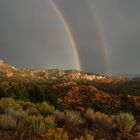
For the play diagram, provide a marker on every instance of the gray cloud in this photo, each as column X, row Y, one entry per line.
column 33, row 35
column 121, row 24
column 30, row 34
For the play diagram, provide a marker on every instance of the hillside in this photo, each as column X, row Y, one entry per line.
column 68, row 90
column 11, row 72
column 67, row 84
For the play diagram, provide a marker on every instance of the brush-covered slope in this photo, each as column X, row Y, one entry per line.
column 10, row 71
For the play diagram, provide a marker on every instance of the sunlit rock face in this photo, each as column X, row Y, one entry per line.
column 10, row 71
column 1, row 62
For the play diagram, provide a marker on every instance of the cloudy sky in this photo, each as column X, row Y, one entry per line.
column 33, row 35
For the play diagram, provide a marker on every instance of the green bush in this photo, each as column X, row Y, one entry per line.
column 26, row 105
column 103, row 121
column 17, row 92
column 87, row 137
column 39, row 123
column 36, row 94
column 8, row 122
column 6, row 103
column 99, row 124
column 54, row 134
column 73, row 119
column 45, row 109
column 124, row 122
column 19, row 115
column 33, row 111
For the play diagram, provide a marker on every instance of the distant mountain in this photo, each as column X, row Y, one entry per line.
column 10, row 71
column 132, row 75
column 129, row 75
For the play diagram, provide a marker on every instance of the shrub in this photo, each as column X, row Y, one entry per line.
column 103, row 126
column 26, row 105
column 100, row 124
column 60, row 118
column 89, row 117
column 124, row 122
column 98, row 106
column 45, row 109
column 55, row 134
column 8, row 122
column 33, row 111
column 17, row 92
column 39, row 123
column 19, row 116
column 73, row 119
column 103, row 121
column 87, row 137
column 36, row 94
column 98, row 120
column 5, row 103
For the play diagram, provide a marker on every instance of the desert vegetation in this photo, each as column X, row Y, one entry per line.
column 37, row 104
column 41, row 121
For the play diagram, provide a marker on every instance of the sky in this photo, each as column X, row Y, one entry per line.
column 33, row 35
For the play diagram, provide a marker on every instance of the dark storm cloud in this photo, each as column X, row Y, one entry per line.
column 121, row 24
column 34, row 27
column 32, row 35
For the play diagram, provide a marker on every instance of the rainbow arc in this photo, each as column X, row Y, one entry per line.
column 69, row 32
column 73, row 41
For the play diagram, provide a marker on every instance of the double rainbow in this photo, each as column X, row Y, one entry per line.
column 73, row 41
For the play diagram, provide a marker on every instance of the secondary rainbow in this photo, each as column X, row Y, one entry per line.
column 69, row 32
column 73, row 41
column 102, row 44
column 101, row 37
